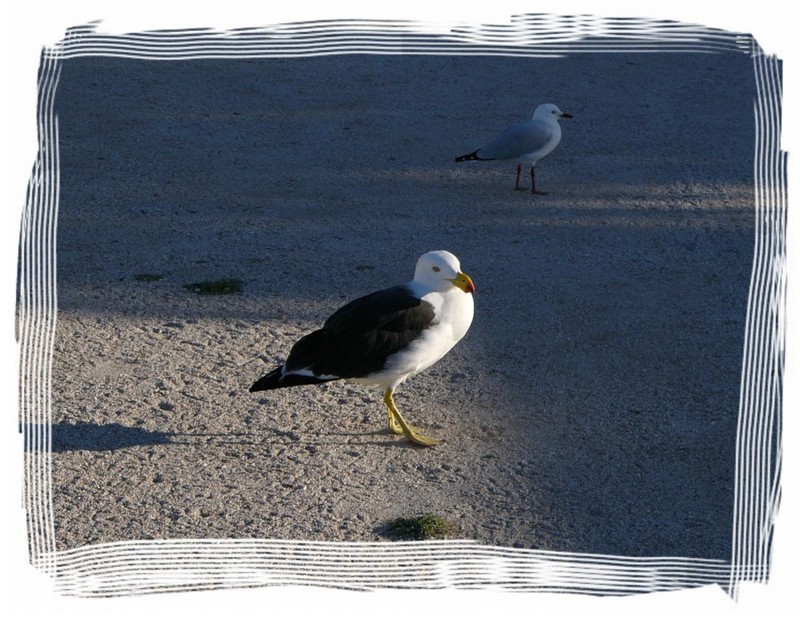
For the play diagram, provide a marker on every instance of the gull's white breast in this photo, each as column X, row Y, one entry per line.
column 454, row 311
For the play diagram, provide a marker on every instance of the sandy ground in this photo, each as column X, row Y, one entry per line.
column 592, row 406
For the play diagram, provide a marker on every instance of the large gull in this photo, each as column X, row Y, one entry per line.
column 386, row 337
column 526, row 142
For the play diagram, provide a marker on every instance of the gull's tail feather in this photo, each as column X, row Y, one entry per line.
column 469, row 156
column 277, row 380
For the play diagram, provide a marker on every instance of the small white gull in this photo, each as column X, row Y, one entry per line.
column 526, row 142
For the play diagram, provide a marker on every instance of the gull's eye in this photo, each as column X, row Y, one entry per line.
column 437, row 269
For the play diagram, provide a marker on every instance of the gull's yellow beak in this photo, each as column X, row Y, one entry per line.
column 464, row 283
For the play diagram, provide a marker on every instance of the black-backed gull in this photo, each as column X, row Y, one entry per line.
column 386, row 337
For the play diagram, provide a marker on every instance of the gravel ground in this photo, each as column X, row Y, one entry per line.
column 592, row 406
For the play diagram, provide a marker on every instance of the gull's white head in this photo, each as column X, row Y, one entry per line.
column 549, row 112
column 441, row 270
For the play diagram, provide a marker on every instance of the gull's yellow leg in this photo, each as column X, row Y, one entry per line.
column 395, row 427
column 395, row 419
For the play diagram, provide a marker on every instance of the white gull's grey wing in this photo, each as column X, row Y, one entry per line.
column 528, row 138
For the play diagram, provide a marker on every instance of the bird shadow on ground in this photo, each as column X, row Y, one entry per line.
column 288, row 438
column 94, row 437
column 107, row 437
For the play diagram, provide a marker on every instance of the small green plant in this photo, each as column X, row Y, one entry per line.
column 216, row 288
column 423, row 527
column 147, row 278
